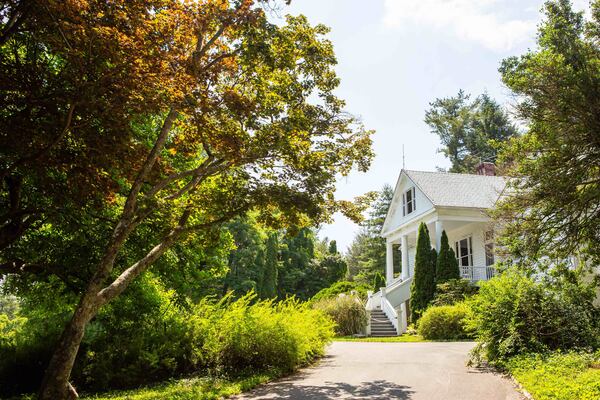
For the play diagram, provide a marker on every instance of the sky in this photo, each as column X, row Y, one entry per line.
column 397, row 56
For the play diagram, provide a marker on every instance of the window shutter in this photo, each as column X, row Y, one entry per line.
column 414, row 199
column 404, row 204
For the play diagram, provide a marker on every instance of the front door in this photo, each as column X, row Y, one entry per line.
column 464, row 253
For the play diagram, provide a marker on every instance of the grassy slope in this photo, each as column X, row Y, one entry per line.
column 558, row 376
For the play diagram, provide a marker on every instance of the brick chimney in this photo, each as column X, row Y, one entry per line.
column 486, row 168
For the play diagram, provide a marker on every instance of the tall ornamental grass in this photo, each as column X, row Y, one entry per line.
column 346, row 311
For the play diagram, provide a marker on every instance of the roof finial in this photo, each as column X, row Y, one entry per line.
column 403, row 158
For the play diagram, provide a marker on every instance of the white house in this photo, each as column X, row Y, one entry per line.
column 456, row 203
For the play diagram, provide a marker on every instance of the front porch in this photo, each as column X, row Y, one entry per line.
column 469, row 235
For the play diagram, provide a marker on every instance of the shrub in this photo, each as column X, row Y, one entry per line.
column 342, row 287
column 241, row 336
column 453, row 291
column 347, row 312
column 144, row 337
column 444, row 323
column 515, row 314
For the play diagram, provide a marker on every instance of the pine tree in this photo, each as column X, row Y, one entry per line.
column 447, row 265
column 367, row 253
column 378, row 281
column 422, row 289
column 268, row 287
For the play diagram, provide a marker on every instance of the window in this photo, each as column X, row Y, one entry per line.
column 409, row 203
column 489, row 248
column 464, row 252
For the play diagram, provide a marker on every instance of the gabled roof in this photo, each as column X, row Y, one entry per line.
column 445, row 189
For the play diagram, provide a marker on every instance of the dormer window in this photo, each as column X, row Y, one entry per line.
column 409, row 203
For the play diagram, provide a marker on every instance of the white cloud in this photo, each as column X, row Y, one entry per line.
column 478, row 21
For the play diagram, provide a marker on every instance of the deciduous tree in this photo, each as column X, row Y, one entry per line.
column 166, row 116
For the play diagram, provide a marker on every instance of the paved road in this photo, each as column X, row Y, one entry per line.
column 415, row 371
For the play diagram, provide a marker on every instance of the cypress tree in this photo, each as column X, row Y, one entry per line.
column 422, row 288
column 447, row 264
column 269, row 282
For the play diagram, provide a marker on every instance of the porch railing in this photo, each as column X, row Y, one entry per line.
column 476, row 274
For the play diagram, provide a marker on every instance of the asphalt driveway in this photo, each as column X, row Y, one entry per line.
column 415, row 371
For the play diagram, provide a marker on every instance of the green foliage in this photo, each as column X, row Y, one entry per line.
column 347, row 311
column 145, row 337
column 378, row 281
column 367, row 253
column 468, row 129
column 445, row 322
column 248, row 336
column 558, row 376
column 342, row 287
column 453, row 291
column 553, row 207
column 422, row 288
column 514, row 314
column 446, row 263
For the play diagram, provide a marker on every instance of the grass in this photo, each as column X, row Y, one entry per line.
column 189, row 389
column 558, row 376
column 390, row 339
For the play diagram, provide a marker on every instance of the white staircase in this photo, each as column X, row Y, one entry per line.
column 381, row 325
column 389, row 302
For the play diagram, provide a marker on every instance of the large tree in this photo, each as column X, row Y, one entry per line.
column 552, row 208
column 165, row 116
column 469, row 129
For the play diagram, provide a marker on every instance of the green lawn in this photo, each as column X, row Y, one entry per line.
column 558, row 376
column 399, row 339
column 189, row 389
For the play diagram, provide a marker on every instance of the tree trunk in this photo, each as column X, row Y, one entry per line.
column 55, row 385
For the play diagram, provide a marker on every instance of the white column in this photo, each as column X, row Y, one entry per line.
column 404, row 249
column 389, row 263
column 439, row 227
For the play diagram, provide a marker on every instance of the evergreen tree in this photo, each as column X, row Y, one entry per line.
column 378, row 281
column 468, row 129
column 553, row 206
column 367, row 253
column 422, row 289
column 333, row 247
column 447, row 265
column 269, row 281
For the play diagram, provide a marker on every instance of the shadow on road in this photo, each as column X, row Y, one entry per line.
column 377, row 390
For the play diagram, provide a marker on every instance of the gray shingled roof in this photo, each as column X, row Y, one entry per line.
column 459, row 190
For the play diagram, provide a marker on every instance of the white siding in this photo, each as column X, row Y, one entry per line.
column 476, row 232
column 396, row 218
